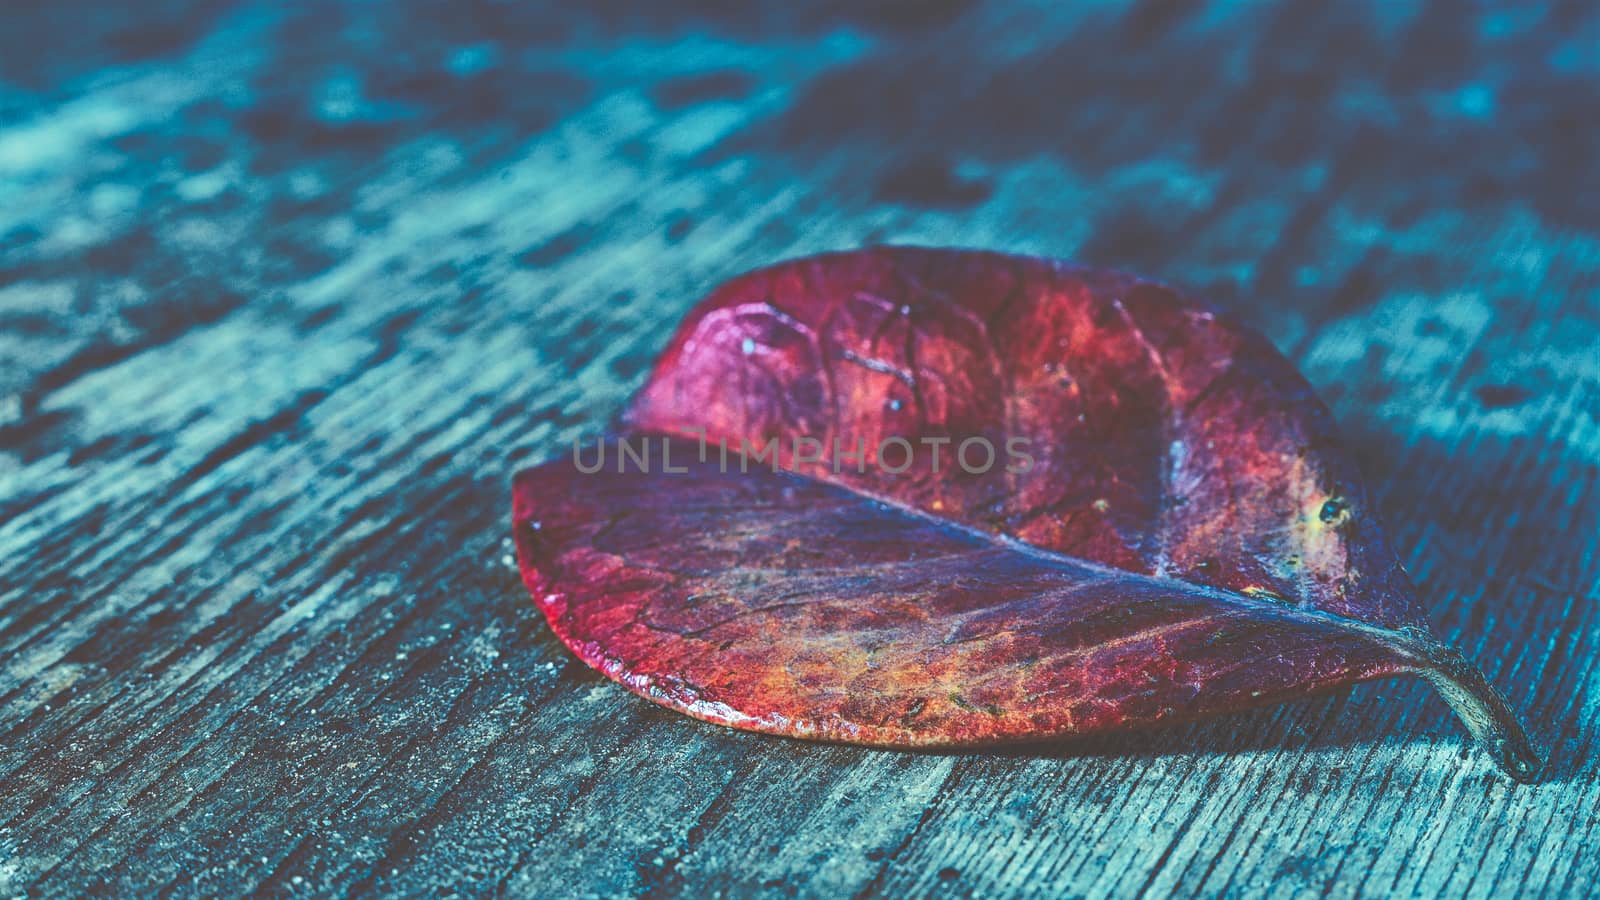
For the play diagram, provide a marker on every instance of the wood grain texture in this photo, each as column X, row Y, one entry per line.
column 286, row 296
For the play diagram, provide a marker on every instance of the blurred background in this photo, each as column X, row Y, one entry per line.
column 1300, row 159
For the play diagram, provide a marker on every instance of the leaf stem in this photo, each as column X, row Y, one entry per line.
column 1483, row 710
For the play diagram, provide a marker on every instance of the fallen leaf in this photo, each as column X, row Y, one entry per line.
column 912, row 497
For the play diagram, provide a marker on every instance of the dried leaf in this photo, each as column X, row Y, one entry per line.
column 1017, row 499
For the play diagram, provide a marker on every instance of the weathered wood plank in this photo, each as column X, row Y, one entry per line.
column 285, row 297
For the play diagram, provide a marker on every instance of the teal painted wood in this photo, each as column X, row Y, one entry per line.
column 287, row 296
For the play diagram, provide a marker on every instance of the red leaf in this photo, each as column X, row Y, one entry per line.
column 1189, row 538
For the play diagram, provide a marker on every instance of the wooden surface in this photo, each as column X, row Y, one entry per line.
column 287, row 295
